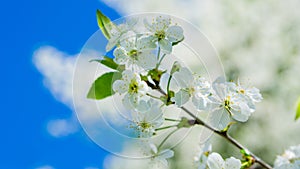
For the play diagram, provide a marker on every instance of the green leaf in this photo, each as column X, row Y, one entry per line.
column 104, row 24
column 102, row 87
column 298, row 110
column 109, row 62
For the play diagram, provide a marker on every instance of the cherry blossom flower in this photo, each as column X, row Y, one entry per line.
column 136, row 51
column 201, row 158
column 215, row 161
column 148, row 119
column 163, row 33
column 226, row 104
column 121, row 32
column 160, row 156
column 192, row 86
column 133, row 87
column 289, row 160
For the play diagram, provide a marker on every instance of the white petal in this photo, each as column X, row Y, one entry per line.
column 183, row 77
column 181, row 97
column 166, row 154
column 242, row 113
column 232, row 163
column 145, row 43
column 128, row 43
column 130, row 101
column 120, row 86
column 153, row 148
column 215, row 161
column 128, row 75
column 147, row 60
column 200, row 103
column 149, row 26
column 219, row 118
column 120, row 56
column 165, row 45
column 143, row 106
column 254, row 94
column 162, row 23
column 220, row 87
column 174, row 33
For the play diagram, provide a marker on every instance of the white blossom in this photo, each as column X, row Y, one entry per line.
column 192, row 86
column 121, row 32
column 289, row 160
column 250, row 95
column 163, row 33
column 136, row 51
column 201, row 158
column 148, row 119
column 134, row 88
column 160, row 157
column 215, row 161
column 225, row 103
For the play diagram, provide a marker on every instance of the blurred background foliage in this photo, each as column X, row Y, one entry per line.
column 258, row 43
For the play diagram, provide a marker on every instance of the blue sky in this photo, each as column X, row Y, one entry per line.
column 27, row 105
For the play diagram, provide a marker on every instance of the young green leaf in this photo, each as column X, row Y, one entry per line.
column 298, row 110
column 104, row 24
column 102, row 87
column 109, row 62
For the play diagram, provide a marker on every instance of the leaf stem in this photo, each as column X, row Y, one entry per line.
column 155, row 97
column 161, row 59
column 168, row 86
column 175, row 120
column 166, row 127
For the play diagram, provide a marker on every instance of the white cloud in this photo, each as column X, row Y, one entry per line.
column 45, row 167
column 62, row 127
column 57, row 68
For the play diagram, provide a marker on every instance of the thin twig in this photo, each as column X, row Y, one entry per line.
column 223, row 134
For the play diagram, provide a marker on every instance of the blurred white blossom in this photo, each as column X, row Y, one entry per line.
column 290, row 159
column 215, row 161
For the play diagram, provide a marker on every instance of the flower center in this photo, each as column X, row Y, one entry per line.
column 160, row 35
column 133, row 87
column 227, row 103
column 144, row 125
column 133, row 54
column 242, row 91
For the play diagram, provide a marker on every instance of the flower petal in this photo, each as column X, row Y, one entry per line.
column 219, row 118
column 174, row 33
column 153, row 148
column 162, row 23
column 145, row 43
column 166, row 153
column 120, row 55
column 232, row 163
column 165, row 45
column 147, row 60
column 181, row 97
column 120, row 86
column 215, row 161
column 183, row 77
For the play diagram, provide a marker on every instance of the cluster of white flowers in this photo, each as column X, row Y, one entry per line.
column 206, row 159
column 289, row 160
column 140, row 54
column 223, row 99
